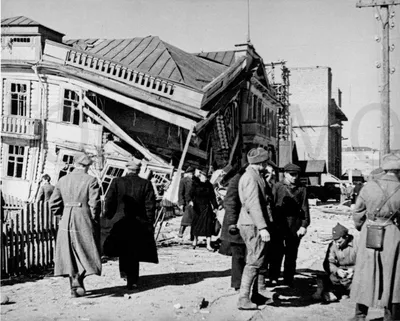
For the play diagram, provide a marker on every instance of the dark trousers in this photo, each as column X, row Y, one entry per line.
column 129, row 269
column 284, row 245
column 238, row 264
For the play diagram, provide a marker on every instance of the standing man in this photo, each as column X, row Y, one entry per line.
column 134, row 196
column 46, row 190
column 253, row 223
column 77, row 198
column 232, row 243
column 291, row 218
column 184, row 200
column 377, row 214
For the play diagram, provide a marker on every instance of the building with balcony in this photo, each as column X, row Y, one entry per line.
column 115, row 98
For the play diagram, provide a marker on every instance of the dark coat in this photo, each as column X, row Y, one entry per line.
column 184, row 198
column 232, row 207
column 134, row 196
column 45, row 192
column 77, row 198
column 291, row 209
column 204, row 200
column 377, row 269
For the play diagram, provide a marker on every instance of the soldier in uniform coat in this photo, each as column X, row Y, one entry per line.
column 184, row 200
column 77, row 198
column 291, row 219
column 134, row 233
column 377, row 274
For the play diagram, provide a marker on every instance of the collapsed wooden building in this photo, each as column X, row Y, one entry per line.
column 121, row 97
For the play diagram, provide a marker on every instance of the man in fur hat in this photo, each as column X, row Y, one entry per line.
column 134, row 233
column 377, row 215
column 76, row 198
column 254, row 220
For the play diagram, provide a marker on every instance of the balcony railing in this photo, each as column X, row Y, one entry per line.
column 17, row 126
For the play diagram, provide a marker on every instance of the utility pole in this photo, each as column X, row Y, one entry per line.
column 384, row 15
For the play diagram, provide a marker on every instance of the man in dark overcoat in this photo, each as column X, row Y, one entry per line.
column 291, row 219
column 45, row 190
column 377, row 274
column 134, row 233
column 184, row 200
column 77, row 198
column 232, row 243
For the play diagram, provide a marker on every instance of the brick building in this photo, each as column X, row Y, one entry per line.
column 316, row 116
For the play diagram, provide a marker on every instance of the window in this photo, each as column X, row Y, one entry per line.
column 254, row 107
column 259, row 110
column 110, row 173
column 68, row 161
column 71, row 112
column 16, row 160
column 19, row 96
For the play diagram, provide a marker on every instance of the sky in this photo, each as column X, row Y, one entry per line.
column 305, row 33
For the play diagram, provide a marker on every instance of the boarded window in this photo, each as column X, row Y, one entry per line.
column 19, row 96
column 71, row 112
column 15, row 162
column 110, row 173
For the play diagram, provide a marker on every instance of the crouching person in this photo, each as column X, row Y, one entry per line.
column 339, row 264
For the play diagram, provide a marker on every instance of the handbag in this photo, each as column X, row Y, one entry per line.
column 217, row 227
column 376, row 231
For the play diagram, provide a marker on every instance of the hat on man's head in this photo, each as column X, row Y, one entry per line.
column 83, row 160
column 257, row 155
column 390, row 161
column 339, row 231
column 134, row 164
column 291, row 168
column 376, row 173
column 190, row 169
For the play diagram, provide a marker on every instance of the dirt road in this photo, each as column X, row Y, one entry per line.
column 174, row 289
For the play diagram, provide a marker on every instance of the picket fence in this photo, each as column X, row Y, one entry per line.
column 28, row 233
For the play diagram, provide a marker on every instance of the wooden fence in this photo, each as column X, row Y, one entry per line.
column 28, row 233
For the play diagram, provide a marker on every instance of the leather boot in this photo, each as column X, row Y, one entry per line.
column 248, row 277
column 361, row 313
column 260, row 295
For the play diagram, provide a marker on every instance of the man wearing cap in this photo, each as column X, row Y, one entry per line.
column 377, row 214
column 339, row 263
column 291, row 218
column 76, row 197
column 184, row 200
column 133, row 196
column 253, row 224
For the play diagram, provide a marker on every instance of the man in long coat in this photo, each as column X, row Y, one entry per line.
column 134, row 233
column 184, row 199
column 77, row 198
column 232, row 243
column 253, row 223
column 377, row 274
column 291, row 218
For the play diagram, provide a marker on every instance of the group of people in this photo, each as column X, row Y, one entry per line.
column 77, row 199
column 263, row 224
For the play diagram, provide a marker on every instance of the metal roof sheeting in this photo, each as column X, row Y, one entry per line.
column 22, row 21
column 153, row 56
column 226, row 58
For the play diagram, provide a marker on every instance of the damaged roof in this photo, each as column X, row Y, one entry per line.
column 155, row 57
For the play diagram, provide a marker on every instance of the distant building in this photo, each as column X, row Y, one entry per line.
column 316, row 117
column 364, row 159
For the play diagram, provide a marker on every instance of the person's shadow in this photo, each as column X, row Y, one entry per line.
column 148, row 282
column 300, row 295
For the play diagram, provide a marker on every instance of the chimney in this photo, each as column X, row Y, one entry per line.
column 339, row 98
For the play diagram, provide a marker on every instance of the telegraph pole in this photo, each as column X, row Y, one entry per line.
column 384, row 6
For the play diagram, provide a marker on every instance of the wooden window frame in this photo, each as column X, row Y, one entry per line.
column 78, row 92
column 6, row 148
column 105, row 176
column 8, row 97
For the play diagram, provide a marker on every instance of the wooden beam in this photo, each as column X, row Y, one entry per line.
column 376, row 3
column 113, row 127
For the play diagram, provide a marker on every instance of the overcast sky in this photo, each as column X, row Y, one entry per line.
column 305, row 33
